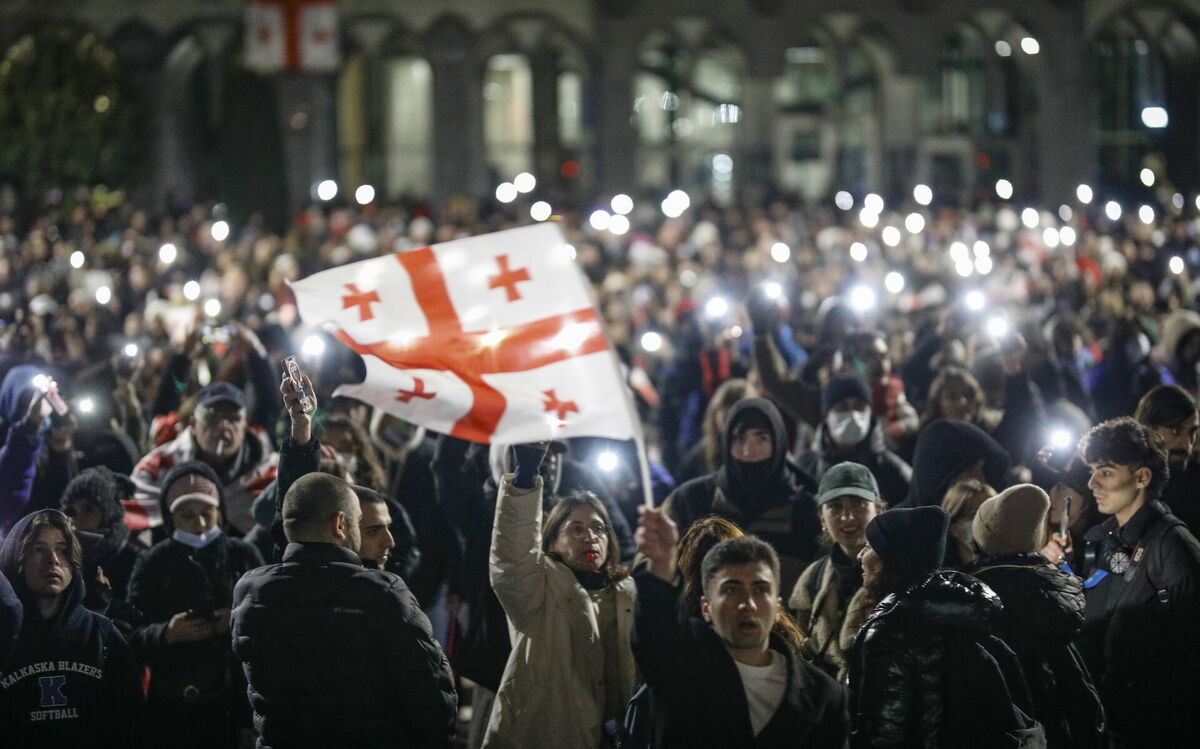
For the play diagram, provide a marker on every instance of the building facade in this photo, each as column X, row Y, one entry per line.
column 450, row 97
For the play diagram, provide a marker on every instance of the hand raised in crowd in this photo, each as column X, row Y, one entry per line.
column 184, row 628
column 301, row 421
column 657, row 537
column 1013, row 351
column 39, row 409
column 1057, row 548
column 61, row 436
column 246, row 338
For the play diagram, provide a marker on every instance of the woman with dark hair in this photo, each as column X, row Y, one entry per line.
column 706, row 455
column 183, row 587
column 569, row 604
column 93, row 502
column 355, row 451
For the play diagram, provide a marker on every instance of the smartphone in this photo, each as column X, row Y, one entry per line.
column 292, row 367
column 126, row 363
column 210, row 334
column 49, row 389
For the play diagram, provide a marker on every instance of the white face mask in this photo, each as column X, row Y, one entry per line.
column 194, row 541
column 848, row 428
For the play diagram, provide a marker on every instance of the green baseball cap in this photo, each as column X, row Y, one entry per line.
column 847, row 478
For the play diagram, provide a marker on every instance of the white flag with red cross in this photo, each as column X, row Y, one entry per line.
column 491, row 338
column 292, row 35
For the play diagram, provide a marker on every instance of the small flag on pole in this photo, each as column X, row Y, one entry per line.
column 292, row 35
column 491, row 338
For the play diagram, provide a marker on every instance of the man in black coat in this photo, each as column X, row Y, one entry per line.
column 851, row 432
column 1170, row 412
column 1042, row 616
column 726, row 681
column 925, row 669
column 71, row 679
column 1141, row 589
column 757, row 488
column 337, row 654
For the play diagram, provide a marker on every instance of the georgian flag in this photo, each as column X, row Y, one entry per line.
column 491, row 338
column 292, row 35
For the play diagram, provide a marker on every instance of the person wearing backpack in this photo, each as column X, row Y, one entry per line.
column 829, row 599
column 1141, row 569
column 1042, row 617
column 925, row 669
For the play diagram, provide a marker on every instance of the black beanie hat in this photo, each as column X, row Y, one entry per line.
column 842, row 387
column 910, row 540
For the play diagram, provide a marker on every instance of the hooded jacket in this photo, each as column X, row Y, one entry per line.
column 172, row 577
column 11, row 616
column 1042, row 618
column 890, row 471
column 71, row 680
column 946, row 448
column 771, row 499
column 926, row 670
column 19, row 454
column 108, row 548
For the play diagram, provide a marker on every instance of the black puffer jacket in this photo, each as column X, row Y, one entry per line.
column 1042, row 617
column 889, row 469
column 925, row 670
column 339, row 655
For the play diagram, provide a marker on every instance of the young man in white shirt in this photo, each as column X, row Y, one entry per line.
column 726, row 680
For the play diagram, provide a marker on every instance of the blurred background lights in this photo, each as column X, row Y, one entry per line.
column 618, row 225
column 914, row 223
column 868, row 218
column 1066, row 236
column 77, row 259
column 893, row 282
column 1146, row 214
column 220, row 231
column 1155, row 118
column 131, row 350
column 622, row 204
column 1003, row 48
column 1083, row 193
column 716, row 307
column 1030, row 46
column 212, row 307
column 997, row 326
column 862, row 298
column 1004, row 189
column 873, row 202
column 981, row 248
column 607, row 461
column 772, row 289
column 313, row 346
column 1060, row 438
column 1147, row 176
column 858, row 252
column 327, row 189
column 958, row 252
column 843, row 200
column 1065, row 213
column 524, row 182
column 364, row 195
column 651, row 341
column 167, row 253
column 1029, row 217
column 983, row 265
column 923, row 194
column 1176, row 265
column 539, row 211
column 1112, row 209
column 86, row 405
column 103, row 295
column 890, row 236
column 964, row 267
column 599, row 220
column 191, row 291
column 506, row 192
column 1050, row 237
column 975, row 300
column 676, row 202
column 780, row 252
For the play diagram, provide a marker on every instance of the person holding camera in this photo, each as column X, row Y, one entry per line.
column 183, row 588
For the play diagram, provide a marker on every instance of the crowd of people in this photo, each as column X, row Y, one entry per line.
column 922, row 477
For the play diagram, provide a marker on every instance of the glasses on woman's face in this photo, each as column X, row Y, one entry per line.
column 580, row 531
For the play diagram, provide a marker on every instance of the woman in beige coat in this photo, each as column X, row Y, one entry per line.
column 569, row 604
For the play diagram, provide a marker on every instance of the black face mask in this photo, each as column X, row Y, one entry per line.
column 755, row 484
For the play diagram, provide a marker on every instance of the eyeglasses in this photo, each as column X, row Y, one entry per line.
column 581, row 531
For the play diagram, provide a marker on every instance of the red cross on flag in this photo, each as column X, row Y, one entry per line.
column 491, row 338
column 292, row 35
